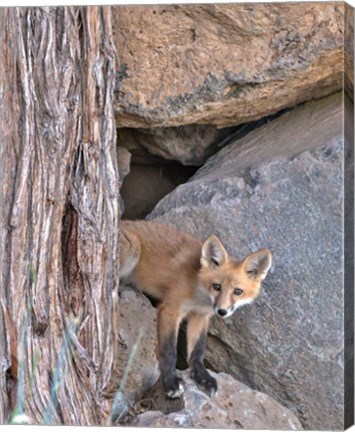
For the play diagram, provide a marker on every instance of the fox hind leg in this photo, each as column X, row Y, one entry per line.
column 196, row 342
column 130, row 251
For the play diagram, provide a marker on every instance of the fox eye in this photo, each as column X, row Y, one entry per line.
column 238, row 291
column 216, row 287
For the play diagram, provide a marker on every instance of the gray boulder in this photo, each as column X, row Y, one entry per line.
column 190, row 145
column 280, row 187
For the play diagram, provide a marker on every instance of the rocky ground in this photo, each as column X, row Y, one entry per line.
column 235, row 406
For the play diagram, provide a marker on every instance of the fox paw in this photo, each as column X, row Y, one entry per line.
column 204, row 381
column 174, row 388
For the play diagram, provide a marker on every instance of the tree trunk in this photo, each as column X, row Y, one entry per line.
column 60, row 214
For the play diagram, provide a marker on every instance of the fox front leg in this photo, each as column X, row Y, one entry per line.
column 196, row 342
column 168, row 327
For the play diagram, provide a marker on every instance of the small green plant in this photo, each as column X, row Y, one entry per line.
column 120, row 404
column 18, row 415
column 65, row 352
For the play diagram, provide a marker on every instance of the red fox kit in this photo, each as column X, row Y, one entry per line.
column 191, row 280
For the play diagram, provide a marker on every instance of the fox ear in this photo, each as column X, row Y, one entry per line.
column 213, row 253
column 258, row 264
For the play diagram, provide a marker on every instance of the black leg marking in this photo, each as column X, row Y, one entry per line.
column 172, row 383
column 198, row 371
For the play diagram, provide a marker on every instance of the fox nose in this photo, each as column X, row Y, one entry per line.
column 222, row 312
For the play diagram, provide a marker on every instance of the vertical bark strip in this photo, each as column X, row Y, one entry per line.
column 60, row 209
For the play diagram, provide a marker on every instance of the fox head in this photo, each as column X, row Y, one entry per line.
column 231, row 284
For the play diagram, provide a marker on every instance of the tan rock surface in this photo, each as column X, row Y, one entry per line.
column 224, row 64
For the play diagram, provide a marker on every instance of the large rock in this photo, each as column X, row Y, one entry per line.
column 189, row 145
column 224, row 64
column 235, row 406
column 280, row 187
column 304, row 128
